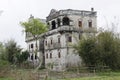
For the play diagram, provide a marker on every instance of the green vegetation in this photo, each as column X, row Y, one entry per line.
column 96, row 51
column 97, row 78
column 34, row 27
column 101, row 50
column 100, row 76
column 22, row 57
column 12, row 49
column 10, row 54
column 6, row 79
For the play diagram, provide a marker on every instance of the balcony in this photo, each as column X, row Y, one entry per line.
column 77, row 29
column 68, row 28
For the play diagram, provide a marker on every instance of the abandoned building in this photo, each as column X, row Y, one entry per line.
column 66, row 27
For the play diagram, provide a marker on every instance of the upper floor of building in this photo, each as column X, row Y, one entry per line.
column 78, row 19
column 69, row 20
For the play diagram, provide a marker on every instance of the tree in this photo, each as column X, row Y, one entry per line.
column 34, row 27
column 3, row 55
column 101, row 50
column 87, row 49
column 2, row 52
column 22, row 57
column 12, row 49
column 1, row 48
column 109, row 45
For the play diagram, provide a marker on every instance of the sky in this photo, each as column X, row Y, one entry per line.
column 12, row 12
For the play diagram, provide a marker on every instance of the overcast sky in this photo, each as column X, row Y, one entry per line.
column 15, row 11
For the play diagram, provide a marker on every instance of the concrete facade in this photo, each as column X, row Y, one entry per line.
column 66, row 27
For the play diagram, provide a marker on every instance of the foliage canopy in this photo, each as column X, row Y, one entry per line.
column 34, row 26
column 101, row 50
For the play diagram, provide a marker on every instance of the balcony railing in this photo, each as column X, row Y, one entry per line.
column 77, row 29
column 65, row 28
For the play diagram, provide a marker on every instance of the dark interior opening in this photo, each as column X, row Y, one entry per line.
column 58, row 22
column 66, row 21
column 32, row 57
column 53, row 25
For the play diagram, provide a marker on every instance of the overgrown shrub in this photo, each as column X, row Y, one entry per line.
column 101, row 50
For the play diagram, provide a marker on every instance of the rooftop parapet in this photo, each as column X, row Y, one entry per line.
column 54, row 13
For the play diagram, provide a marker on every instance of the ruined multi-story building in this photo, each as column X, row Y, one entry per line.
column 66, row 27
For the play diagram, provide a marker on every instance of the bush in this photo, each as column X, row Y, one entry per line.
column 101, row 50
column 4, row 64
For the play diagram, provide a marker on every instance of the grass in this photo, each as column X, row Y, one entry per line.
column 6, row 79
column 97, row 78
column 101, row 76
column 27, row 74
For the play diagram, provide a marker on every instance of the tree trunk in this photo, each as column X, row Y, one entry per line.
column 39, row 58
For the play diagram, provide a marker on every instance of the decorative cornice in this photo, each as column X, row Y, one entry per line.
column 54, row 13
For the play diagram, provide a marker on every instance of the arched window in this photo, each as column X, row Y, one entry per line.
column 47, row 55
column 69, row 38
column 31, row 45
column 58, row 22
column 80, row 23
column 50, row 55
column 32, row 57
column 53, row 25
column 46, row 42
column 90, row 23
column 59, row 55
column 66, row 21
column 35, row 56
column 51, row 41
column 58, row 39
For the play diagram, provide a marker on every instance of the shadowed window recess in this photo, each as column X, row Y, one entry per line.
column 66, row 21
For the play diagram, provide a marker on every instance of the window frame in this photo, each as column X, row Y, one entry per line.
column 59, row 54
column 80, row 23
column 32, row 46
column 59, row 40
column 46, row 42
column 58, row 22
column 31, row 57
column 50, row 55
column 69, row 38
column 53, row 23
column 90, row 23
column 66, row 21
column 46, row 55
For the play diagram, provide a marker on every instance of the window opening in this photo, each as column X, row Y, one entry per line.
column 35, row 56
column 50, row 55
column 59, row 40
column 46, row 43
column 66, row 21
column 53, row 25
column 58, row 22
column 90, row 23
column 47, row 55
column 80, row 23
column 51, row 41
column 32, row 57
column 31, row 45
column 59, row 55
column 69, row 39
